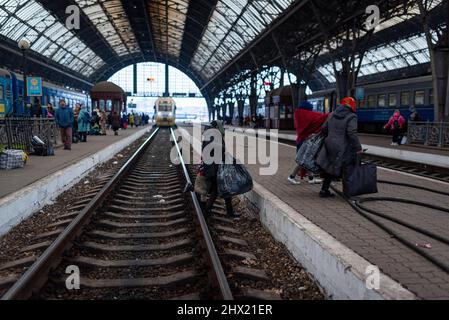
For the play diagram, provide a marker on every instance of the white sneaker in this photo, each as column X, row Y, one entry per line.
column 315, row 181
column 293, row 181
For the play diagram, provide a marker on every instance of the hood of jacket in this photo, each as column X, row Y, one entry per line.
column 342, row 112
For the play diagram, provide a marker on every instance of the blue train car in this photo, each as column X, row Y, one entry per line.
column 11, row 92
column 382, row 99
column 6, row 100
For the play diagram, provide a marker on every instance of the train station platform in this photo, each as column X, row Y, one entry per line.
column 341, row 247
column 380, row 146
column 23, row 191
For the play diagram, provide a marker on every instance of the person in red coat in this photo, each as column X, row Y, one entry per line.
column 307, row 122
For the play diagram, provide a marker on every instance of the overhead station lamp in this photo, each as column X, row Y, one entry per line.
column 24, row 45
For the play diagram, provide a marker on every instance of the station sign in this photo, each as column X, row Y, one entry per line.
column 132, row 106
column 34, row 86
column 360, row 93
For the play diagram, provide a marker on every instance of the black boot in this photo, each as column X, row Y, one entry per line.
column 326, row 194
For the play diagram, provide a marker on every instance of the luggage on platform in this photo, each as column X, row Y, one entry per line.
column 307, row 154
column 41, row 148
column 362, row 179
column 12, row 159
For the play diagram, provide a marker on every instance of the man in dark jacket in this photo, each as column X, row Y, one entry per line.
column 341, row 146
column 64, row 119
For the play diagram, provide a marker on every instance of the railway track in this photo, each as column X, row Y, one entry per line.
column 422, row 170
column 139, row 234
column 418, row 169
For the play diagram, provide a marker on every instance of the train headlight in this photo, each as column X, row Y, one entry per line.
column 170, row 114
column 159, row 114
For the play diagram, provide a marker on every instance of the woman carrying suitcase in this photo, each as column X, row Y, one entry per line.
column 341, row 147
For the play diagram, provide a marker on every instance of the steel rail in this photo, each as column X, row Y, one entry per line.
column 36, row 276
column 217, row 267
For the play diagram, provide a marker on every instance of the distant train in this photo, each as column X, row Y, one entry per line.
column 382, row 99
column 165, row 112
column 11, row 95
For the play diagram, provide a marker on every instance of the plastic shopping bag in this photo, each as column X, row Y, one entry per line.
column 306, row 156
column 233, row 180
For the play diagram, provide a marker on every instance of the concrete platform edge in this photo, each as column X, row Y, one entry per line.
column 340, row 271
column 19, row 205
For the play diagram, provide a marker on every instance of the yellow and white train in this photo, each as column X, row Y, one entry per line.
column 165, row 112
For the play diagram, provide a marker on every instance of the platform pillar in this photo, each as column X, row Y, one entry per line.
column 241, row 107
column 167, row 83
column 135, row 79
column 253, row 98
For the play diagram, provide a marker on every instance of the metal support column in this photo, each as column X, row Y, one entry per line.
column 135, row 79
column 167, row 83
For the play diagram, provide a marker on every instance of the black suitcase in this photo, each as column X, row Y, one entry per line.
column 362, row 179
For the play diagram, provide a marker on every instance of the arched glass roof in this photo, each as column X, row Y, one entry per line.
column 232, row 26
column 28, row 19
column 202, row 37
column 401, row 54
column 110, row 21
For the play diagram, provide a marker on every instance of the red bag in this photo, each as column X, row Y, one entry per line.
column 125, row 126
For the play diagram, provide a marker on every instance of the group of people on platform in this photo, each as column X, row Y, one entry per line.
column 340, row 153
column 77, row 123
column 341, row 146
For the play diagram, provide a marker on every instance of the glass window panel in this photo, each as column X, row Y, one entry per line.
column 392, row 100
column 371, row 101
column 405, row 98
column 420, row 97
column 382, row 100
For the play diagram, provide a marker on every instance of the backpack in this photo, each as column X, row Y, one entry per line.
column 396, row 124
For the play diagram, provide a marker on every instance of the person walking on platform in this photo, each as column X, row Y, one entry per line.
column 396, row 125
column 307, row 122
column 341, row 146
column 50, row 111
column 115, row 123
column 131, row 120
column 75, row 133
column 83, row 123
column 211, row 171
column 65, row 119
column 103, row 122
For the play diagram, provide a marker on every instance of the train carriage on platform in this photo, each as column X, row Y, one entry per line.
column 11, row 95
column 380, row 100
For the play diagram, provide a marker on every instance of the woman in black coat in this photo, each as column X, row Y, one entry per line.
column 341, row 146
column 210, row 170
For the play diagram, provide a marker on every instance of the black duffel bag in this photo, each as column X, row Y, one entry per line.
column 362, row 179
column 233, row 180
